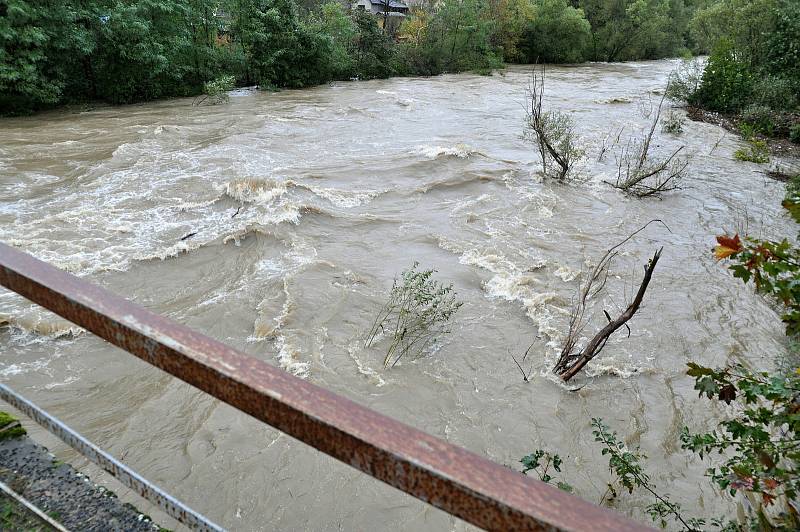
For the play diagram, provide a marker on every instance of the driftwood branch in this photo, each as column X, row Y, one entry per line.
column 571, row 360
column 525, row 376
column 597, row 343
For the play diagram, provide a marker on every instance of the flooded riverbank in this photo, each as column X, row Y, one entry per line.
column 276, row 224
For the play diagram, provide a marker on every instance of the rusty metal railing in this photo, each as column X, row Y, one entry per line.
column 443, row 475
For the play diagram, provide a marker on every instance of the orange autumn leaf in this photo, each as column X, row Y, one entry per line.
column 727, row 246
column 767, row 498
column 770, row 483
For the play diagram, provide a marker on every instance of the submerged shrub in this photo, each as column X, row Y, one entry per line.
column 641, row 174
column 553, row 132
column 419, row 310
column 217, row 89
column 673, row 123
column 755, row 152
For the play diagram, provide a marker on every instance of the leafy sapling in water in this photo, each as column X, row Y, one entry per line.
column 756, row 151
column 216, row 90
column 553, row 132
column 541, row 462
column 625, row 464
column 418, row 312
column 673, row 123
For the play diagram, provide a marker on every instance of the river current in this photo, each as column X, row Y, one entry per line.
column 276, row 223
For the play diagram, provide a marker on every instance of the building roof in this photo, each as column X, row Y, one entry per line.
column 392, row 3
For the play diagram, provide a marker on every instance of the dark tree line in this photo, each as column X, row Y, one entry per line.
column 63, row 51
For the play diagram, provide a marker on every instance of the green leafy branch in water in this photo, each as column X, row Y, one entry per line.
column 540, row 461
column 418, row 312
column 761, row 444
column 626, row 467
column 625, row 464
column 216, row 90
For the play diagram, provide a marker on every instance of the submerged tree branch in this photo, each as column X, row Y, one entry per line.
column 571, row 362
column 597, row 343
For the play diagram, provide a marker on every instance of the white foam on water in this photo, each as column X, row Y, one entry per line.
column 566, row 274
column 364, row 369
column 462, row 151
column 512, row 283
column 288, row 356
column 34, row 325
column 345, row 199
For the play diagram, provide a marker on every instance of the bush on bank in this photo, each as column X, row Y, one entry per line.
column 754, row 68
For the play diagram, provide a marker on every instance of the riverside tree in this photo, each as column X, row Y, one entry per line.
column 67, row 51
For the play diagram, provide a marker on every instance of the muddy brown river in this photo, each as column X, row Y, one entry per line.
column 302, row 207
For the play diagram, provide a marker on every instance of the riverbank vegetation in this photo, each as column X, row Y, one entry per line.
column 73, row 51
column 753, row 72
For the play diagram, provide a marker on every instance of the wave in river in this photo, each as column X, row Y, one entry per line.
column 461, row 151
column 43, row 327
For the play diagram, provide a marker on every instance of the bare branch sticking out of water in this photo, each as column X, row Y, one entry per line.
column 640, row 175
column 716, row 144
column 572, row 360
column 418, row 312
column 604, row 146
column 525, row 376
column 553, row 132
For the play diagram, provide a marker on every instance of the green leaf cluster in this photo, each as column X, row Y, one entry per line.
column 541, row 462
column 417, row 314
column 760, row 445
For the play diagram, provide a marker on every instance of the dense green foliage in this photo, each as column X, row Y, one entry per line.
column 557, row 33
column 120, row 51
column 754, row 67
column 56, row 52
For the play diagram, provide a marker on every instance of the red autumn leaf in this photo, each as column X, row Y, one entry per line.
column 727, row 246
column 727, row 393
column 770, row 483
